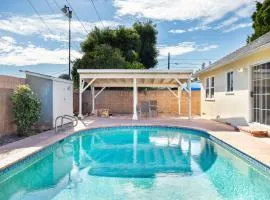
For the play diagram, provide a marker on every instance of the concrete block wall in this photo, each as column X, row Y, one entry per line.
column 121, row 101
column 7, row 86
column 10, row 82
column 7, row 125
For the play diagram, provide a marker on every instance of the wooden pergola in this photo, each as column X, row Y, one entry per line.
column 102, row 78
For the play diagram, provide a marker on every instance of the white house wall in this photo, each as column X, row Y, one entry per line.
column 232, row 107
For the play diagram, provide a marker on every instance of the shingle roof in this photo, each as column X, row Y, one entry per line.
column 242, row 52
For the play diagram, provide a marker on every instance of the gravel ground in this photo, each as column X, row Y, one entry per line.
column 10, row 138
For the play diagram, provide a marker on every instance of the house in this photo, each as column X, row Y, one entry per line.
column 236, row 88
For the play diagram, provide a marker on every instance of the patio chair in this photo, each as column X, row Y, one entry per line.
column 153, row 110
column 144, row 110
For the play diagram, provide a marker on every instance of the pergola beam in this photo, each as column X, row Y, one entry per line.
column 172, row 92
column 188, row 90
column 138, row 76
column 94, row 96
column 99, row 92
column 178, row 96
column 89, row 84
column 138, row 85
column 181, row 85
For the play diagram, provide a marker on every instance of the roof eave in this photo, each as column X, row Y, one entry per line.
column 47, row 77
column 243, row 55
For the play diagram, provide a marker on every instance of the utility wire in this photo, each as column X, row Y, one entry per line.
column 97, row 13
column 75, row 14
column 182, row 63
column 57, row 5
column 53, row 12
column 49, row 5
column 186, row 63
column 41, row 19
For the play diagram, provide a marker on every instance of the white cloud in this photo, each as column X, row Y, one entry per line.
column 13, row 53
column 238, row 26
column 196, row 28
column 58, row 25
column 247, row 10
column 177, row 31
column 227, row 22
column 206, row 10
column 199, row 28
column 8, row 39
column 178, row 49
column 182, row 48
column 207, row 47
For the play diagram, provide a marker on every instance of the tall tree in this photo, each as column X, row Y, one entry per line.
column 148, row 39
column 261, row 20
column 101, row 57
column 120, row 48
column 127, row 40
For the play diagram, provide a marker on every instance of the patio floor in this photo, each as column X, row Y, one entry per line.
column 258, row 148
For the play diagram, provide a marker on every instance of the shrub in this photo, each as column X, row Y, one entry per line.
column 64, row 76
column 26, row 109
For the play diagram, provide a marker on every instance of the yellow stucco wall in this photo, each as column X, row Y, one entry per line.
column 232, row 107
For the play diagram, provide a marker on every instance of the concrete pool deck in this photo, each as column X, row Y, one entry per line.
column 258, row 148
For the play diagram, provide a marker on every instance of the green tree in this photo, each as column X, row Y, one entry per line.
column 120, row 48
column 126, row 40
column 261, row 20
column 148, row 40
column 101, row 57
column 135, row 65
column 26, row 109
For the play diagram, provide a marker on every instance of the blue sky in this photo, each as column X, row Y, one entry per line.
column 189, row 29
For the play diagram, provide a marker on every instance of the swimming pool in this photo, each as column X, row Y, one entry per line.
column 135, row 163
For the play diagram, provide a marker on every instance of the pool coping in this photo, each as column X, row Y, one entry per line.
column 47, row 147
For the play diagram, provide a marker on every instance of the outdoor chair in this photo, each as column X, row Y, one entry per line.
column 144, row 109
column 153, row 110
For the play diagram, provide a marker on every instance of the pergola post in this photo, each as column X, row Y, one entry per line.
column 189, row 99
column 93, row 99
column 135, row 99
column 179, row 100
column 80, row 98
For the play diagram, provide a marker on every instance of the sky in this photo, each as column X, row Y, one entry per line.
column 34, row 33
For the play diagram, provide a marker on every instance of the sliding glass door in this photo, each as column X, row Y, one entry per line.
column 261, row 93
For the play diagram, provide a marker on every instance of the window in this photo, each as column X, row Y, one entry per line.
column 210, row 88
column 230, row 82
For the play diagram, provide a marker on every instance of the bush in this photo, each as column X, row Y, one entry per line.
column 26, row 109
column 64, row 76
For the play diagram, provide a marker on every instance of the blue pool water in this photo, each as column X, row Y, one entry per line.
column 136, row 163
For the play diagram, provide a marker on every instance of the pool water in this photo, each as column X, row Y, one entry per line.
column 137, row 163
